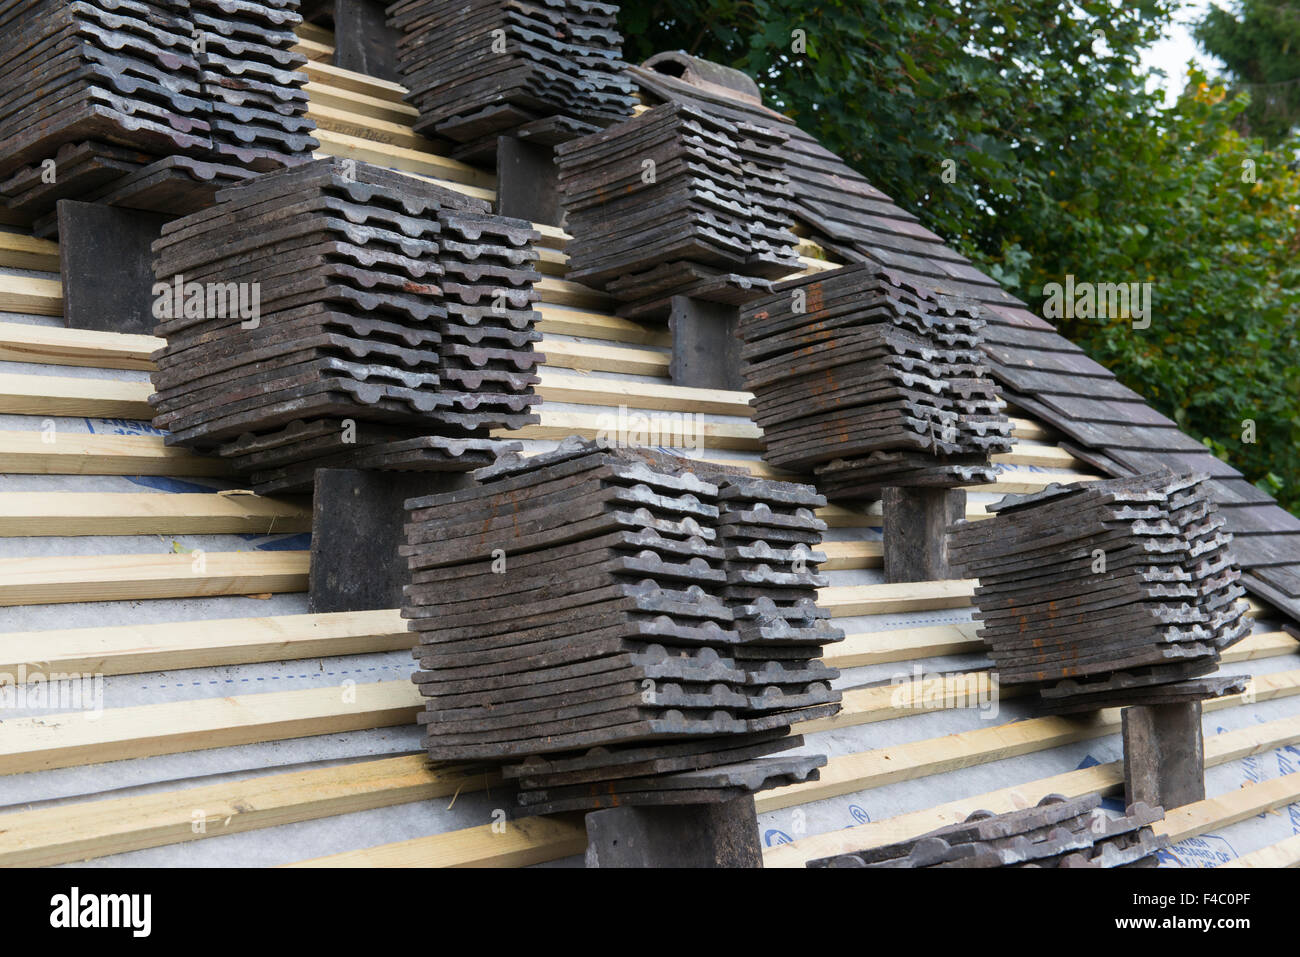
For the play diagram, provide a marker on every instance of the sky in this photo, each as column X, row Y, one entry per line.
column 1172, row 53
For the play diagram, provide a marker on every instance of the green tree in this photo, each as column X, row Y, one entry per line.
column 1068, row 162
column 1259, row 42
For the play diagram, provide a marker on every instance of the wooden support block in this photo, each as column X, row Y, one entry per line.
column 690, row 835
column 706, row 347
column 148, row 513
column 1164, row 755
column 78, row 578
column 358, row 525
column 916, row 522
column 107, row 266
column 364, row 42
column 528, row 181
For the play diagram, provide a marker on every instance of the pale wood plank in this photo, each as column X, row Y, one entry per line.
column 59, row 453
column 18, row 251
column 55, row 345
column 1285, row 853
column 77, row 578
column 402, row 158
column 25, row 294
column 67, row 396
column 349, row 101
column 148, row 513
column 91, row 829
column 510, row 844
column 68, row 739
column 846, row 601
column 562, row 321
column 172, row 645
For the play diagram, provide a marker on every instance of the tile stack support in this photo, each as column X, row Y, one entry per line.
column 1164, row 754
column 363, row 40
column 106, row 265
column 915, row 532
column 528, row 182
column 357, row 526
column 706, row 349
column 690, row 835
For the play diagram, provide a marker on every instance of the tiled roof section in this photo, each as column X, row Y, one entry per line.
column 1108, row 425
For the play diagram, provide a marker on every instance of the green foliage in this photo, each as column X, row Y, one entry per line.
column 1259, row 42
column 1065, row 163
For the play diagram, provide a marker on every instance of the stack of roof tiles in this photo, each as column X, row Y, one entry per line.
column 871, row 382
column 677, row 202
column 544, row 71
column 1056, row 833
column 394, row 329
column 251, row 81
column 582, row 616
column 1120, row 592
column 151, row 104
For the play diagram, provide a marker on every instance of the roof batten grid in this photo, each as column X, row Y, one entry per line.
column 635, row 332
